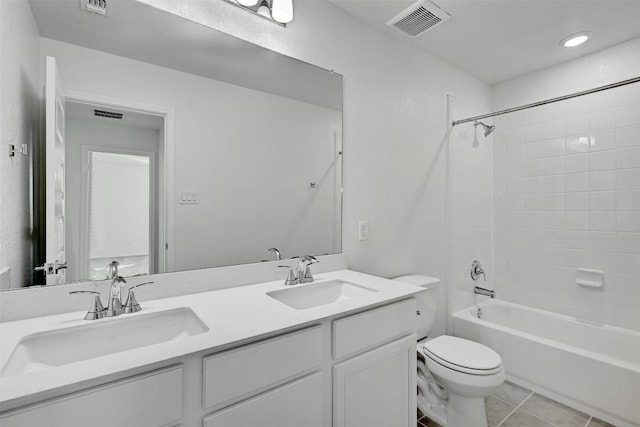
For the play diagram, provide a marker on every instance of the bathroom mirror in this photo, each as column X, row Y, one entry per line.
column 238, row 148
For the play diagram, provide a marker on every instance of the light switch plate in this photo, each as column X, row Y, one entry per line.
column 189, row 197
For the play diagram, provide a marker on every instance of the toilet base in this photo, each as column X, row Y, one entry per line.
column 458, row 411
column 466, row 411
column 434, row 412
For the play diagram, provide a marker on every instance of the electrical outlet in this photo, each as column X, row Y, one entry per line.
column 363, row 230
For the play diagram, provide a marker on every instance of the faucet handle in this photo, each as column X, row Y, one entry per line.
column 291, row 276
column 310, row 259
column 304, row 270
column 132, row 305
column 477, row 270
column 96, row 309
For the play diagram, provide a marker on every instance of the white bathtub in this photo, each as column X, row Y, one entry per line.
column 593, row 368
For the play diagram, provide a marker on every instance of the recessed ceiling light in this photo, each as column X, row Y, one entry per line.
column 575, row 39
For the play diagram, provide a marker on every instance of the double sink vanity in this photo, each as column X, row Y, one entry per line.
column 339, row 351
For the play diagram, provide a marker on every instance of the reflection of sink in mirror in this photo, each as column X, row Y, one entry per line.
column 317, row 294
column 58, row 347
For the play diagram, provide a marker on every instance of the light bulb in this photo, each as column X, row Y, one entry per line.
column 575, row 39
column 282, row 10
column 248, row 3
column 264, row 11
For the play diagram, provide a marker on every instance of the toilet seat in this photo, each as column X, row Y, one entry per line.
column 462, row 355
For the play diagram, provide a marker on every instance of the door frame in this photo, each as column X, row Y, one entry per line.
column 166, row 174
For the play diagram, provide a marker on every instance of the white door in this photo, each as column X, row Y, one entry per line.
column 54, row 203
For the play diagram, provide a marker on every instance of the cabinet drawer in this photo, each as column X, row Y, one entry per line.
column 366, row 330
column 296, row 404
column 152, row 399
column 241, row 372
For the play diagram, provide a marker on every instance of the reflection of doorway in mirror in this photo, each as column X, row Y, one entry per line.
column 114, row 194
column 119, row 213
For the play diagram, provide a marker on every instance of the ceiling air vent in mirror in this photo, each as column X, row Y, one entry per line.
column 96, row 6
column 107, row 114
column 418, row 18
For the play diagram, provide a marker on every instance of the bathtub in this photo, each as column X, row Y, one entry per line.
column 593, row 368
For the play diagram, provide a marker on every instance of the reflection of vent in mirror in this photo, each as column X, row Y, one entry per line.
column 96, row 6
column 418, row 18
column 108, row 114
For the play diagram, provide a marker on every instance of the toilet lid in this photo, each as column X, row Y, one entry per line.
column 463, row 355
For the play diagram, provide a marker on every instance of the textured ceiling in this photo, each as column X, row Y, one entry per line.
column 497, row 40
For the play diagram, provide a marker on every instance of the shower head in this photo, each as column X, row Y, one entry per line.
column 487, row 129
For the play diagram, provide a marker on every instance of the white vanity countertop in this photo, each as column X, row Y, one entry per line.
column 233, row 316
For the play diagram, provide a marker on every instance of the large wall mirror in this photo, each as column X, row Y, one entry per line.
column 171, row 146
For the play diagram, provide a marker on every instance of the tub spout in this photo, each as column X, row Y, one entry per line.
column 482, row 291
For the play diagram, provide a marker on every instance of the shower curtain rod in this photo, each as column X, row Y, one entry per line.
column 548, row 101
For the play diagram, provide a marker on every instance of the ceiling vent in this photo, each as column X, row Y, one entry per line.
column 107, row 114
column 418, row 18
column 96, row 6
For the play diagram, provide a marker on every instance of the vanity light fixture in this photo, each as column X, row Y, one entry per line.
column 575, row 39
column 278, row 11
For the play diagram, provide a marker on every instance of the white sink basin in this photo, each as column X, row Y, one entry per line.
column 99, row 338
column 317, row 294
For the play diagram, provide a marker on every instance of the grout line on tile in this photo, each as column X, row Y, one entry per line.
column 514, row 409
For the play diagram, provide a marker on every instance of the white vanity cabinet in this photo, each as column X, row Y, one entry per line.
column 149, row 400
column 347, row 371
column 377, row 386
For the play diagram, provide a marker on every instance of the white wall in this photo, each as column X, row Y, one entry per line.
column 20, row 95
column 567, row 189
column 394, row 127
column 110, row 136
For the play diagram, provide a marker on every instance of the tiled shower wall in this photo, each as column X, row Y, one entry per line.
column 469, row 205
column 566, row 184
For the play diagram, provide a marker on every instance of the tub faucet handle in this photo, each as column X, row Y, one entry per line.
column 477, row 270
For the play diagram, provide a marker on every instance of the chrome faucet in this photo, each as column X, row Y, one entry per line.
column 114, row 304
column 483, row 291
column 476, row 272
column 304, row 270
column 275, row 252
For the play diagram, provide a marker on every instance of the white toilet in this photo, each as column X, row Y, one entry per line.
column 454, row 374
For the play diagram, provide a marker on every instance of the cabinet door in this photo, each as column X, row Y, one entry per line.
column 295, row 404
column 377, row 388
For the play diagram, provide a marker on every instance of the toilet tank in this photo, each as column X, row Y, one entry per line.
column 426, row 301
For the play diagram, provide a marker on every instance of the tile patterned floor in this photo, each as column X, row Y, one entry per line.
column 515, row 406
